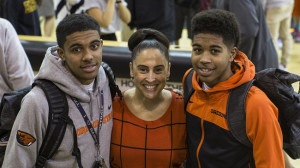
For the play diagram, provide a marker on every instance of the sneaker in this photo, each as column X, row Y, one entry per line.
column 282, row 67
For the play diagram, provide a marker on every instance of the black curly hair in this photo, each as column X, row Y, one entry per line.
column 148, row 38
column 219, row 22
column 74, row 23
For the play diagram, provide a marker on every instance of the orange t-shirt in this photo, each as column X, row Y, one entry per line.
column 153, row 144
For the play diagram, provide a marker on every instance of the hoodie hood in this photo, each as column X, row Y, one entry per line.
column 244, row 71
column 53, row 69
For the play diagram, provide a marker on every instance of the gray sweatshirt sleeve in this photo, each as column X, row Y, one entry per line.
column 27, row 132
column 18, row 68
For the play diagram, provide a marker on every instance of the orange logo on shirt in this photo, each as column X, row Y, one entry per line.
column 95, row 124
column 24, row 138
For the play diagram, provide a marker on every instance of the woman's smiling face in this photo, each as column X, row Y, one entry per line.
column 150, row 70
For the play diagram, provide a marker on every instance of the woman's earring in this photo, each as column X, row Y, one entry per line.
column 167, row 78
column 131, row 78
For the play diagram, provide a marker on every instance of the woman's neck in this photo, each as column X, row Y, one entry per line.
column 147, row 109
column 148, row 104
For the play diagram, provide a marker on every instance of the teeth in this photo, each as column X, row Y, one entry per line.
column 149, row 87
column 205, row 70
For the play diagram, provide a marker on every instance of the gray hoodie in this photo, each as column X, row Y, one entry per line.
column 33, row 119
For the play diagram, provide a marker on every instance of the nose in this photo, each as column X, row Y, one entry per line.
column 87, row 55
column 205, row 57
column 151, row 76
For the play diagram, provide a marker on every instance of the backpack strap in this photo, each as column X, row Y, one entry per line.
column 58, row 112
column 236, row 114
column 114, row 88
column 188, row 87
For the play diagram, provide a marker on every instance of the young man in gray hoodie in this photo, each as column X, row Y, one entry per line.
column 74, row 66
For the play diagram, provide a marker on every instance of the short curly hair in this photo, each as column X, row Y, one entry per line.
column 148, row 38
column 75, row 23
column 219, row 22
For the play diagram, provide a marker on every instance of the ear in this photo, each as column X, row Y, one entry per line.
column 131, row 69
column 233, row 53
column 61, row 54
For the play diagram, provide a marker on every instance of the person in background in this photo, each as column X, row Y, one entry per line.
column 155, row 14
column 149, row 122
column 74, row 66
column 64, row 8
column 219, row 66
column 109, row 14
column 204, row 5
column 46, row 10
column 15, row 69
column 23, row 15
column 256, row 41
column 296, row 18
column 279, row 17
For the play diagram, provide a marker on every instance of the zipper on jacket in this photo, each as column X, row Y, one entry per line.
column 200, row 144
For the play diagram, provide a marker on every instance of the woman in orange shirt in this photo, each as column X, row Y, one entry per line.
column 149, row 122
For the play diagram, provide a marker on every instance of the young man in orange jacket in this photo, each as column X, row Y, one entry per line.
column 219, row 67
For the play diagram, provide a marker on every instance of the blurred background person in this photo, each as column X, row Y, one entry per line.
column 23, row 15
column 109, row 14
column 279, row 16
column 15, row 68
column 204, row 5
column 46, row 11
column 155, row 14
column 64, row 8
column 296, row 19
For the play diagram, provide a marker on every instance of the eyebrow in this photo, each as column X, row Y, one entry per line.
column 196, row 45
column 75, row 44
column 212, row 46
column 215, row 46
column 96, row 41
column 157, row 66
column 78, row 44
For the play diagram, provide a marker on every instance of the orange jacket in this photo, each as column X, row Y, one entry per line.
column 210, row 142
